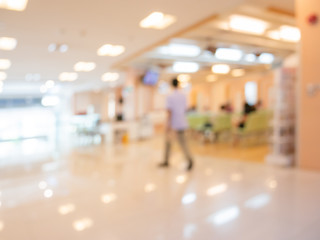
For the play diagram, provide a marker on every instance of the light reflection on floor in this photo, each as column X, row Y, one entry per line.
column 116, row 192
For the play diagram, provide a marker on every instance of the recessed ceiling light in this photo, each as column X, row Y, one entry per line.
column 33, row 77
column 43, row 89
column 211, row 78
column 184, row 78
column 185, row 67
column 49, row 84
column 228, row 54
column 274, row 34
column 247, row 24
column 184, row 50
column 250, row 57
column 3, row 76
column 238, row 72
column 63, row 48
column 157, row 20
column 266, row 58
column 291, row 34
column 111, row 50
column 220, row 69
column 52, row 47
column 7, row 43
column 5, row 64
column 110, row 77
column 84, row 66
column 16, row 5
column 68, row 76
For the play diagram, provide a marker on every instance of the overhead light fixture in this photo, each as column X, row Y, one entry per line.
column 84, row 66
column 250, row 58
column 247, row 24
column 43, row 89
column 7, row 43
column 110, row 77
column 16, row 5
column 266, row 58
column 68, row 76
column 184, row 78
column 183, row 50
column 238, row 72
column 291, row 34
column 82, row 224
column 211, row 78
column 52, row 47
column 49, row 84
column 3, row 76
column 63, row 48
column 111, row 50
column 275, row 35
column 228, row 54
column 5, row 64
column 157, row 20
column 185, row 67
column 33, row 77
column 220, row 69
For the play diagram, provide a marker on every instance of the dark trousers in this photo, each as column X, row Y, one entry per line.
column 180, row 135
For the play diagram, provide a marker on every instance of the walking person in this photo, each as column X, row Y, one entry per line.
column 177, row 124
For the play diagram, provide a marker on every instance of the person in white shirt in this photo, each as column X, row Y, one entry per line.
column 177, row 124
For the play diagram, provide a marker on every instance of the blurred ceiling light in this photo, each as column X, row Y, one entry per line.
column 291, row 34
column 108, row 198
column 157, row 20
column 185, row 67
column 5, row 63
column 111, row 50
column 66, row 209
column 184, row 50
column 217, row 189
column 247, row 24
column 43, row 89
column 16, row 5
column 266, row 58
column 49, row 84
column 7, row 43
column 48, row 193
column 82, row 224
column 50, row 101
column 63, row 48
column 42, row 185
column 189, row 198
column 68, row 76
column 238, row 72
column 275, row 35
column 110, row 77
column 228, row 54
column 52, row 47
column 250, row 58
column 84, row 66
column 211, row 78
column 184, row 77
column 3, row 76
column 220, row 69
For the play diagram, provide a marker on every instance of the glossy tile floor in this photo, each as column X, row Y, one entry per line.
column 117, row 193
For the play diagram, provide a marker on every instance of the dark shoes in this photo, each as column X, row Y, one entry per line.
column 163, row 165
column 190, row 165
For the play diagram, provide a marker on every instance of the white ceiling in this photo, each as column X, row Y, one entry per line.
column 87, row 25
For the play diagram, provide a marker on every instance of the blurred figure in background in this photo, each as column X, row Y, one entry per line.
column 120, row 109
column 177, row 124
